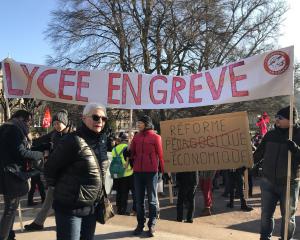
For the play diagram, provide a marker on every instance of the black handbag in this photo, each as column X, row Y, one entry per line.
column 104, row 209
column 18, row 173
column 13, row 183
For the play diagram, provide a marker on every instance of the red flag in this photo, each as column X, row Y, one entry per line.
column 262, row 123
column 47, row 118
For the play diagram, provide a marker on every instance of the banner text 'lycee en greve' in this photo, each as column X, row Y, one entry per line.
column 265, row 75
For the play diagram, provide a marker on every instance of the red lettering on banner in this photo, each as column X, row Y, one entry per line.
column 40, row 82
column 81, row 84
column 136, row 96
column 11, row 91
column 63, row 83
column 216, row 93
column 112, row 87
column 164, row 92
column 194, row 88
column 29, row 77
column 234, row 79
column 176, row 89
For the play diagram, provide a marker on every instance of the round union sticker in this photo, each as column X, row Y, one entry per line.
column 276, row 62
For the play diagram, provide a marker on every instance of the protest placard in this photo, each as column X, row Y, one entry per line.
column 207, row 143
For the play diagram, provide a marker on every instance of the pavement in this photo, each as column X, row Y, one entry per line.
column 224, row 224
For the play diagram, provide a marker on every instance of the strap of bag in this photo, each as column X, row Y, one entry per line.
column 119, row 154
column 104, row 191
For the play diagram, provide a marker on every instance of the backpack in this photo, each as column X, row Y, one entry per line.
column 116, row 167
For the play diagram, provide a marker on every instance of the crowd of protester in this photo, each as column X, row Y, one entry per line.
column 68, row 166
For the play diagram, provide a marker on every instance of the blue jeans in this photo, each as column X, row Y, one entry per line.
column 148, row 182
column 69, row 227
column 10, row 207
column 270, row 195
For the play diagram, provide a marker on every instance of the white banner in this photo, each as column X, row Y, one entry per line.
column 261, row 76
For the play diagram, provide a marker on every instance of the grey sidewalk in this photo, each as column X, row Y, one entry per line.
column 224, row 224
column 166, row 230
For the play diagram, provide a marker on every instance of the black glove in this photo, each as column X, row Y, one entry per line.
column 292, row 146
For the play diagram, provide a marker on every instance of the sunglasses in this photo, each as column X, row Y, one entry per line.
column 279, row 117
column 96, row 118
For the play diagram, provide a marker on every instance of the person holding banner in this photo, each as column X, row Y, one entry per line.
column 273, row 153
column 77, row 168
column 147, row 157
column 15, row 156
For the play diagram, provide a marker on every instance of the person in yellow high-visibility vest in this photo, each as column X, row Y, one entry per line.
column 123, row 184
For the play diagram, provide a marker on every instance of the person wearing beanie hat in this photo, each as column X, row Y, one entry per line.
column 147, row 157
column 61, row 126
column 285, row 113
column 273, row 153
column 147, row 121
column 59, row 122
column 61, row 116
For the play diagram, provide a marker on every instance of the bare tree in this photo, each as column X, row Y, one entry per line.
column 164, row 37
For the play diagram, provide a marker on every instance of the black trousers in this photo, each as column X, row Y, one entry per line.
column 236, row 179
column 250, row 182
column 122, row 187
column 7, row 221
column 186, row 196
column 36, row 181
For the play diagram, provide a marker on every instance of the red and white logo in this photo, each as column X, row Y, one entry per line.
column 277, row 62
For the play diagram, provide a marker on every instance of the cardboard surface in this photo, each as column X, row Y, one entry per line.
column 207, row 143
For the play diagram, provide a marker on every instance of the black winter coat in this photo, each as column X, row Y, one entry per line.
column 74, row 170
column 274, row 152
column 48, row 141
column 15, row 154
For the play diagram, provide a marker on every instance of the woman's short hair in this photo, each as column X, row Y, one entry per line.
column 91, row 107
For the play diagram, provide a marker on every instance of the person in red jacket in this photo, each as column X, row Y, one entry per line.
column 147, row 157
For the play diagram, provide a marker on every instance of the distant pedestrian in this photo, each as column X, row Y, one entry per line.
column 123, row 184
column 187, row 185
column 205, row 182
column 236, row 181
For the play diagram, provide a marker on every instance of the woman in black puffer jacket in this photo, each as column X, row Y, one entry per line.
column 76, row 168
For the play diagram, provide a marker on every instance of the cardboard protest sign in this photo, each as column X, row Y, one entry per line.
column 207, row 143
